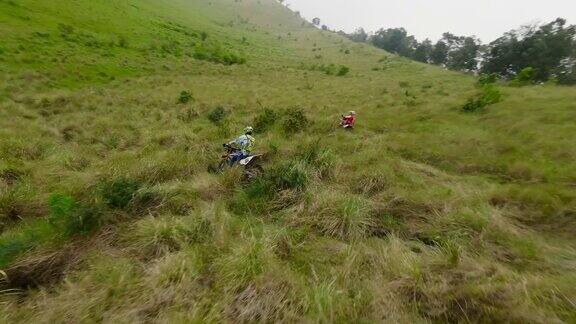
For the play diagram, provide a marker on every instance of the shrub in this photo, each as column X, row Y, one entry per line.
column 120, row 192
column 328, row 69
column 185, row 96
column 83, row 220
column 487, row 78
column 265, row 120
column 17, row 203
column 60, row 207
column 343, row 70
column 238, row 268
column 217, row 55
column 280, row 187
column 490, row 95
column 72, row 218
column 291, row 175
column 322, row 160
column 65, row 30
column 524, row 77
column 157, row 235
column 344, row 217
column 187, row 115
column 123, row 42
column 294, row 121
column 217, row 115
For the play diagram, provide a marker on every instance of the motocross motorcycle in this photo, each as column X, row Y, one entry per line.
column 251, row 164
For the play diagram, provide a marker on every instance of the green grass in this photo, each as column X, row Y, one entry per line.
column 423, row 213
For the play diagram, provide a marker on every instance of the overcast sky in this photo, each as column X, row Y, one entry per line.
column 486, row 19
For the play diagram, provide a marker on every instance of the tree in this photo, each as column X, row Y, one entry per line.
column 423, row 52
column 464, row 56
column 457, row 52
column 395, row 40
column 548, row 49
column 316, row 21
column 439, row 55
column 359, row 36
column 324, row 27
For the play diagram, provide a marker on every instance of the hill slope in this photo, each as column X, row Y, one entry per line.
column 108, row 210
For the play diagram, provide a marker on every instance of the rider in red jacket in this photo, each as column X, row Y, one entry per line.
column 348, row 120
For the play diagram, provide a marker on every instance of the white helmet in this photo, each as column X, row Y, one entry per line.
column 248, row 129
column 352, row 112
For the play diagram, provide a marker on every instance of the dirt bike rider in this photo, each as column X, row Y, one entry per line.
column 349, row 120
column 242, row 145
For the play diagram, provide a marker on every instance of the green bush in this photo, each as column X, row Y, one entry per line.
column 320, row 159
column 60, row 207
column 265, row 120
column 291, row 175
column 216, row 54
column 185, row 96
column 123, row 42
column 343, row 70
column 524, row 77
column 329, row 69
column 65, row 30
column 83, row 220
column 217, row 115
column 187, row 114
column 490, row 95
column 294, row 121
column 120, row 192
column 489, row 78
column 281, row 186
column 72, row 218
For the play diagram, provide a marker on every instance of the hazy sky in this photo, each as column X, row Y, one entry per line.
column 487, row 19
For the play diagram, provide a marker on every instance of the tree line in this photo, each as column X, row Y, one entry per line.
column 538, row 52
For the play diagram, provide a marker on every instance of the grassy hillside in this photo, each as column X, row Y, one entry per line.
column 108, row 211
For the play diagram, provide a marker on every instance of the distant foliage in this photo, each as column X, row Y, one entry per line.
column 185, row 97
column 489, row 95
column 550, row 49
column 343, row 70
column 216, row 54
column 546, row 48
column 525, row 77
column 489, row 78
column 359, row 36
column 328, row 69
column 294, row 121
column 217, row 115
column 119, row 193
column 265, row 120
